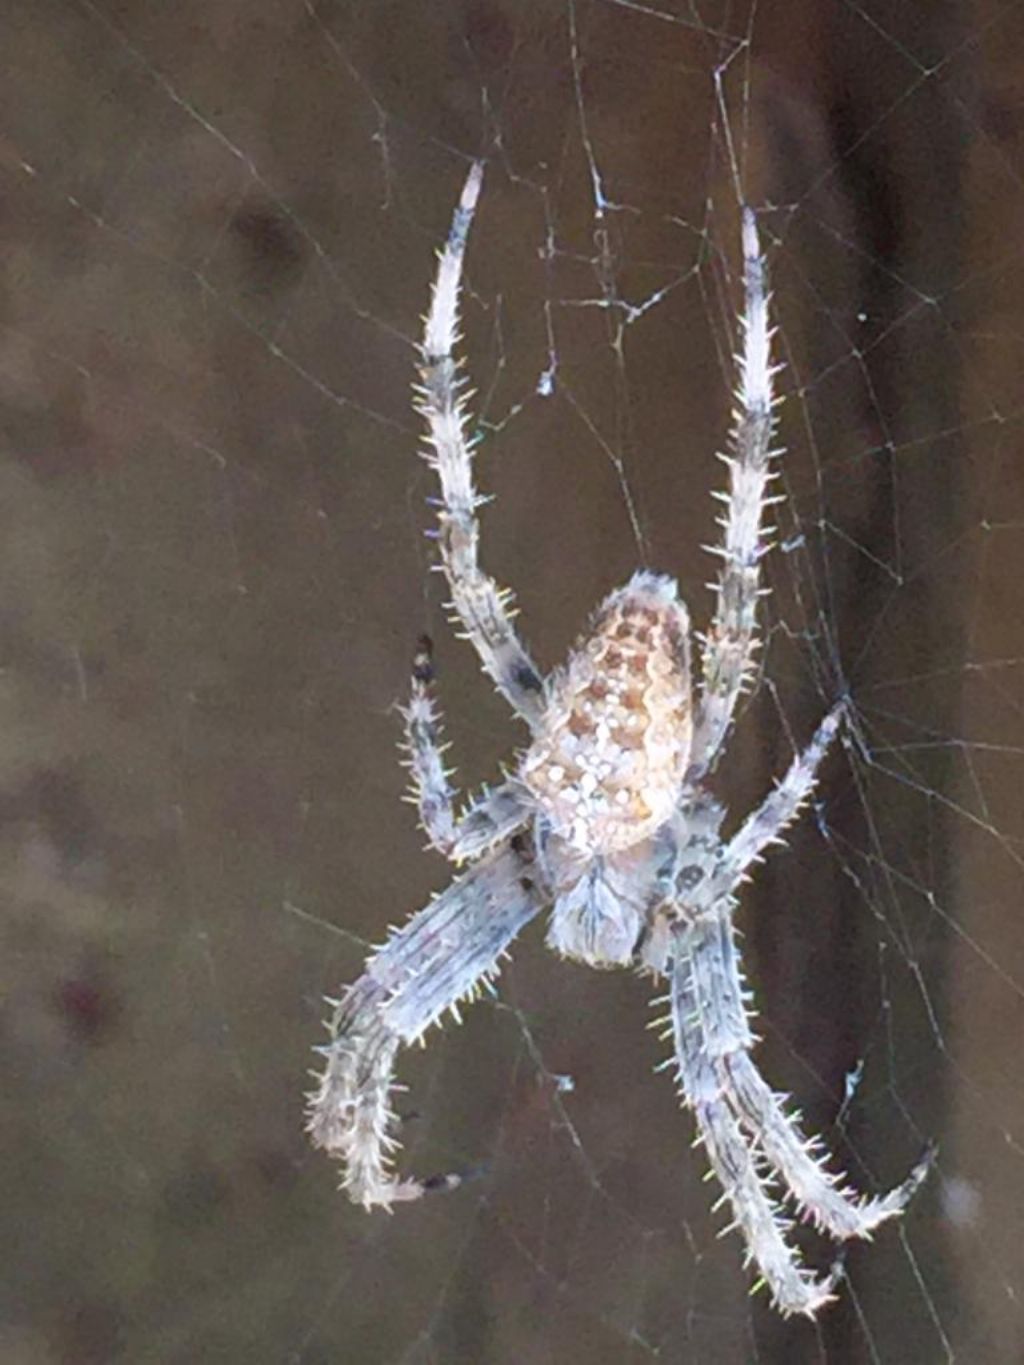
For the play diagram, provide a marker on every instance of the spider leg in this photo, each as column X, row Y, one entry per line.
column 718, row 984
column 779, row 808
column 832, row 1206
column 445, row 954
column 494, row 817
column 701, row 1035
column 431, row 792
column 728, row 648
column 720, row 1082
column 483, row 609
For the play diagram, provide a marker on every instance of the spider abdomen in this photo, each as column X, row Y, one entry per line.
column 608, row 759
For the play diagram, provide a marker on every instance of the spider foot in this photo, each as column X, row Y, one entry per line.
column 803, row 1295
column 873, row 1211
column 905, row 1192
column 454, row 1180
column 383, row 1196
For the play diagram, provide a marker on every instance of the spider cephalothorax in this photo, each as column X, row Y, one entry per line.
column 607, row 822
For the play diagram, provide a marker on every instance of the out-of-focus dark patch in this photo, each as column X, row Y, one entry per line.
column 1001, row 116
column 194, row 1196
column 88, row 1004
column 55, row 798
column 274, row 253
column 90, row 1333
column 274, row 1168
column 490, row 35
column 55, row 440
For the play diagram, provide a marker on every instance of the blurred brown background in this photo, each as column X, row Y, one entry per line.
column 217, row 229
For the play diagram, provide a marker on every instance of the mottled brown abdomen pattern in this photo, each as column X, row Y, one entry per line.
column 609, row 757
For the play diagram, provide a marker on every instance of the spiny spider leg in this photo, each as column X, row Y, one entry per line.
column 445, row 954
column 728, row 648
column 793, row 1288
column 832, row 1206
column 432, row 793
column 736, row 1164
column 494, row 817
column 716, row 983
column 714, row 960
column 779, row 808
column 483, row 609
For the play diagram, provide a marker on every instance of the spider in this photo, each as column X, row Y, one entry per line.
column 607, row 820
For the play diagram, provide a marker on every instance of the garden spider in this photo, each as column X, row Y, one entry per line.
column 606, row 819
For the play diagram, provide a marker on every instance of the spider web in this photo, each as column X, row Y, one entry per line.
column 219, row 227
